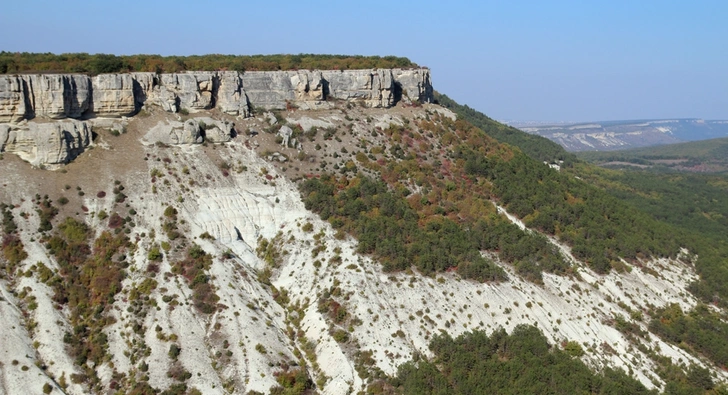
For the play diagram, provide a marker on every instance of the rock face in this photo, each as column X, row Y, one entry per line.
column 46, row 143
column 58, row 96
column 214, row 131
column 192, row 91
column 113, row 95
column 281, row 89
column 12, row 99
column 77, row 96
column 231, row 98
column 415, row 84
column 374, row 87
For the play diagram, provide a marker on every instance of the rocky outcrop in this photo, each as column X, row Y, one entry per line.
column 192, row 91
column 77, row 96
column 231, row 98
column 58, row 96
column 375, row 88
column 46, row 143
column 4, row 134
column 192, row 131
column 415, row 84
column 215, row 131
column 281, row 89
column 174, row 133
column 113, row 95
column 12, row 99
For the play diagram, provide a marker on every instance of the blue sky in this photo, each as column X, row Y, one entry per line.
column 515, row 60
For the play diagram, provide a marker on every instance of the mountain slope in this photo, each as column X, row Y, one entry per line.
column 198, row 267
column 620, row 135
column 708, row 156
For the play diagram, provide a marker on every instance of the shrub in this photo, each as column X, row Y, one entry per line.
column 174, row 351
column 154, row 254
column 341, row 336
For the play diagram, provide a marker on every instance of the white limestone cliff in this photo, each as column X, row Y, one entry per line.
column 78, row 96
column 12, row 98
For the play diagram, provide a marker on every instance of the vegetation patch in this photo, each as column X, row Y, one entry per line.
column 520, row 363
column 194, row 269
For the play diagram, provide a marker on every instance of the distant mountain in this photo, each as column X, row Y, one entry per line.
column 619, row 135
column 707, row 156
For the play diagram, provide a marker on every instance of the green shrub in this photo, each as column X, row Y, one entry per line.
column 154, row 254
column 174, row 351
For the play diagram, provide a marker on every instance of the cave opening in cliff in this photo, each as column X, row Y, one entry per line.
column 324, row 90
column 397, row 96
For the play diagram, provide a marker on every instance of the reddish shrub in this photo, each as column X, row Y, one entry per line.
column 115, row 221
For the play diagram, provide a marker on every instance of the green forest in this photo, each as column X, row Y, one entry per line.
column 20, row 63
column 523, row 362
column 518, row 363
column 706, row 156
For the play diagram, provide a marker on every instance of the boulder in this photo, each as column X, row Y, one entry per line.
column 214, row 131
column 285, row 132
column 49, row 143
column 270, row 118
column 174, row 133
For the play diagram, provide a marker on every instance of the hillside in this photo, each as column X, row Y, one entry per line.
column 621, row 135
column 354, row 238
column 707, row 156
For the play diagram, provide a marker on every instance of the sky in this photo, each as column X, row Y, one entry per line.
column 512, row 60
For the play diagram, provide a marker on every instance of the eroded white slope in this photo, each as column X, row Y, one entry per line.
column 581, row 308
column 243, row 345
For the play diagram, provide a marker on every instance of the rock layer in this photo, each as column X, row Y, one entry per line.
column 58, row 96
column 78, row 96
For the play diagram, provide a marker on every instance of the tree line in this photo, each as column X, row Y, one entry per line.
column 26, row 62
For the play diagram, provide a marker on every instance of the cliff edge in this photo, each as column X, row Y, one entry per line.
column 78, row 96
